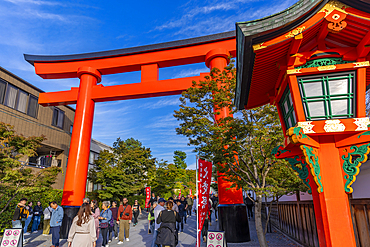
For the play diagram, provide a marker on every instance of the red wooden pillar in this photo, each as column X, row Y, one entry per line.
column 334, row 203
column 232, row 211
column 78, row 159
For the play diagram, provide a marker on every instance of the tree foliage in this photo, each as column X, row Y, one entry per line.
column 124, row 171
column 16, row 178
column 242, row 144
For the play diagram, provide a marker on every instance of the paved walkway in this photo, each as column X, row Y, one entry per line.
column 139, row 236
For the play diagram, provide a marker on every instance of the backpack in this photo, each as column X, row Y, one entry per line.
column 23, row 213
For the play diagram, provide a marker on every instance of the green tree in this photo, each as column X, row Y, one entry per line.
column 242, row 144
column 124, row 171
column 15, row 177
column 179, row 159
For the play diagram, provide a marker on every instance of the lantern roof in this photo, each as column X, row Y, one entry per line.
column 268, row 47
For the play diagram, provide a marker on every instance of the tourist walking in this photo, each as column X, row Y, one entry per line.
column 124, row 219
column 37, row 213
column 210, row 208
column 55, row 223
column 114, row 210
column 159, row 208
column 82, row 232
column 47, row 216
column 182, row 215
column 29, row 218
column 167, row 233
column 136, row 211
column 195, row 202
column 151, row 218
column 20, row 213
column 104, row 218
column 250, row 204
column 185, row 203
column 189, row 200
column 152, row 200
column 95, row 213
column 215, row 205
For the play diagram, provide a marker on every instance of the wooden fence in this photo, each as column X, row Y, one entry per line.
column 298, row 221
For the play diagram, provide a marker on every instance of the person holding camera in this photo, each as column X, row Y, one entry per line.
column 124, row 219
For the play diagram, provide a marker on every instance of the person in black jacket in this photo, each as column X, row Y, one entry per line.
column 37, row 212
column 167, row 234
column 250, row 204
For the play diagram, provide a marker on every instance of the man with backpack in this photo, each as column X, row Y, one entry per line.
column 190, row 205
column 124, row 221
column 20, row 213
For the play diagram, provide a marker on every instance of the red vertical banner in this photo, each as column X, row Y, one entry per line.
column 147, row 198
column 204, row 182
column 180, row 193
column 190, row 192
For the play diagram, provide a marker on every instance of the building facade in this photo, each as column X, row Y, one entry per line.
column 19, row 107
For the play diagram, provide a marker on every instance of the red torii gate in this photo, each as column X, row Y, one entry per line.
column 89, row 67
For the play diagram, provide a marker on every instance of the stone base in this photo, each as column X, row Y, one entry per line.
column 233, row 220
column 69, row 213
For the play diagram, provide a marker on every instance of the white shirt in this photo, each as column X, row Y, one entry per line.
column 195, row 202
column 47, row 213
column 157, row 210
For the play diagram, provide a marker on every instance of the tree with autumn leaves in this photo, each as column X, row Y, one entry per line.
column 240, row 145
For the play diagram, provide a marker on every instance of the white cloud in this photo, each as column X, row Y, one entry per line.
column 190, row 72
column 170, row 101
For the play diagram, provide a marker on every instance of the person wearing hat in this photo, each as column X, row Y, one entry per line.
column 159, row 208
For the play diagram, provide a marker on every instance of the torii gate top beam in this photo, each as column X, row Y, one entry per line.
column 175, row 53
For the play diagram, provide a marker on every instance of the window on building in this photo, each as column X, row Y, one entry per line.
column 33, row 106
column 287, row 109
column 2, row 90
column 58, row 118
column 22, row 101
column 71, row 129
column 328, row 96
column 11, row 96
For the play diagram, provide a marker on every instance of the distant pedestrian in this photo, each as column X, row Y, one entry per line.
column 185, row 203
column 206, row 223
column 47, row 216
column 159, row 208
column 29, row 218
column 136, row 211
column 210, row 208
column 124, row 219
column 189, row 200
column 151, row 218
column 20, row 213
column 152, row 200
column 82, row 232
column 95, row 213
column 114, row 210
column 167, row 234
column 104, row 219
column 215, row 205
column 249, row 202
column 37, row 213
column 182, row 215
column 195, row 202
column 55, row 223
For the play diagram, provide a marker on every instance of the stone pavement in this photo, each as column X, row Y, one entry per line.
column 139, row 236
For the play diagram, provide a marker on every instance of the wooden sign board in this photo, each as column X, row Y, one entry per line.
column 12, row 238
column 216, row 239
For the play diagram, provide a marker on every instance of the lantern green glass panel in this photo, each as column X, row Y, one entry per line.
column 287, row 109
column 328, row 96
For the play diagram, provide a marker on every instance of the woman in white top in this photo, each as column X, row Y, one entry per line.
column 83, row 232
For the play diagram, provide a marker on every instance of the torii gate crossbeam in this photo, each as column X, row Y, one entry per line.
column 214, row 50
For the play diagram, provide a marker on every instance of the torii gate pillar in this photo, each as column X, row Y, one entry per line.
column 232, row 210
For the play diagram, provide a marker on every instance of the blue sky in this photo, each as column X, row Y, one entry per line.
column 67, row 27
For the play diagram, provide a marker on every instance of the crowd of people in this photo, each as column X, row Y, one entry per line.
column 167, row 219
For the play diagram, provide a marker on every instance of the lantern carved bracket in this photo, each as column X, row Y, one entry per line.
column 352, row 163
column 312, row 160
column 299, row 165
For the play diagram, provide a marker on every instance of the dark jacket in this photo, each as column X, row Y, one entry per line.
column 38, row 211
column 167, row 234
column 114, row 212
column 249, row 202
